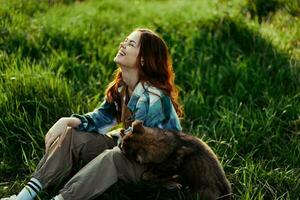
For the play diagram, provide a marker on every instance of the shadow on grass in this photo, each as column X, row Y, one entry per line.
column 235, row 64
column 227, row 58
column 126, row 191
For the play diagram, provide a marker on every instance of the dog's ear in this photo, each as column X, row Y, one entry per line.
column 137, row 126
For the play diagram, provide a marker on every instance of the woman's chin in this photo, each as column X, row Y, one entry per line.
column 118, row 61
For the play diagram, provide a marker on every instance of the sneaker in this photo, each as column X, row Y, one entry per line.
column 13, row 197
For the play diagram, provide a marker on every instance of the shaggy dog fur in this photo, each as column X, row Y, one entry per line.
column 167, row 153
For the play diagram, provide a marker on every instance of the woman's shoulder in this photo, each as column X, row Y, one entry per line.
column 152, row 93
column 146, row 94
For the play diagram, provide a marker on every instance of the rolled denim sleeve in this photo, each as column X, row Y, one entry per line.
column 100, row 120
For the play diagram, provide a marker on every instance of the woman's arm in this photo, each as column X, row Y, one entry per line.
column 73, row 122
column 157, row 110
column 97, row 121
column 100, row 120
column 59, row 128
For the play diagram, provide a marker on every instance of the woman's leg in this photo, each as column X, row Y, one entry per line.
column 100, row 173
column 76, row 146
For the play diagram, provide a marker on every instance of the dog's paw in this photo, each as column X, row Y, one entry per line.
column 172, row 185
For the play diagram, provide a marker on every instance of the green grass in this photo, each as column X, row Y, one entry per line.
column 236, row 64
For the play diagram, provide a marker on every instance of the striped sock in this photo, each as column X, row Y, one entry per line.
column 30, row 190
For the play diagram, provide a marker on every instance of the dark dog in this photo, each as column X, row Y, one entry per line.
column 167, row 153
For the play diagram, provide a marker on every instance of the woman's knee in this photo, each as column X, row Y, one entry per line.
column 128, row 170
column 64, row 139
column 114, row 155
column 67, row 133
column 117, row 154
column 76, row 137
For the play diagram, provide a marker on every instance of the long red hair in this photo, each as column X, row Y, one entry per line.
column 157, row 70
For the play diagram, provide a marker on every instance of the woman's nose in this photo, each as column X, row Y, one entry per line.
column 122, row 45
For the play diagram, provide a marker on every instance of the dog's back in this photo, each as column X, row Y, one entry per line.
column 168, row 153
column 201, row 169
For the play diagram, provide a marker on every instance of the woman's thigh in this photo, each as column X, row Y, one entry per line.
column 86, row 146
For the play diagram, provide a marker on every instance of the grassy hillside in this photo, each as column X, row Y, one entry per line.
column 236, row 64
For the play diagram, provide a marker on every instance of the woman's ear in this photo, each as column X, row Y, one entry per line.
column 137, row 126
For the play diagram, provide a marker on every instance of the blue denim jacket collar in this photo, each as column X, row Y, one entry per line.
column 138, row 92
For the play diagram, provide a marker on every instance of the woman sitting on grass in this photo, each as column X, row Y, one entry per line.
column 143, row 89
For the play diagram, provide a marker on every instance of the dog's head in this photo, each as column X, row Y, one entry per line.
column 144, row 144
column 131, row 143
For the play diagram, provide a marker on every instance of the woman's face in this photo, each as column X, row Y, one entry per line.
column 129, row 50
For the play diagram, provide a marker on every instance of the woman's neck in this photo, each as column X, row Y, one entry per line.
column 130, row 77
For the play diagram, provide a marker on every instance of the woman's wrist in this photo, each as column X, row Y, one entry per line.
column 73, row 122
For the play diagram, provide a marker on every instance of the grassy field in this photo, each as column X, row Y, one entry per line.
column 236, row 63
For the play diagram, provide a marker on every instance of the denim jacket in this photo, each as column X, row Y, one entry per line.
column 147, row 103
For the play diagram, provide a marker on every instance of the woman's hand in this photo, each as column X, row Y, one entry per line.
column 59, row 128
column 55, row 131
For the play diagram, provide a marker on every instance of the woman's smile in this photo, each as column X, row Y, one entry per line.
column 121, row 52
column 128, row 50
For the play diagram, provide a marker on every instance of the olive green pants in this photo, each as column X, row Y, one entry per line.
column 104, row 164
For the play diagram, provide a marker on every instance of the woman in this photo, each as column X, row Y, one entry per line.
column 143, row 89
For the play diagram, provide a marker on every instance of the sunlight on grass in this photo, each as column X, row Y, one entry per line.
column 236, row 64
